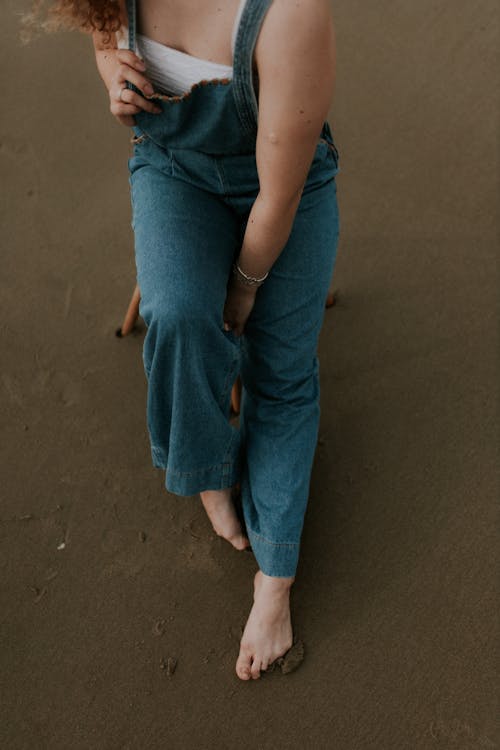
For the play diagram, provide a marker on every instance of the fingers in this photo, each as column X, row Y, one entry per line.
column 238, row 307
column 124, row 112
column 124, row 97
column 120, row 109
column 127, row 57
column 125, row 102
column 236, row 328
column 232, row 321
column 125, row 73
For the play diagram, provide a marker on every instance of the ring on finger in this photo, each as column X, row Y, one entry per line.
column 120, row 97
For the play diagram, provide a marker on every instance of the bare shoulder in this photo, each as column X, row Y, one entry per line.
column 296, row 32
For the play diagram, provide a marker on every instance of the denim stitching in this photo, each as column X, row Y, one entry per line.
column 188, row 473
column 199, row 471
column 220, row 465
column 175, row 98
column 228, row 462
column 243, row 88
column 222, row 177
column 273, row 544
column 131, row 19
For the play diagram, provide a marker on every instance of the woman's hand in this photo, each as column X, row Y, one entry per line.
column 116, row 67
column 239, row 304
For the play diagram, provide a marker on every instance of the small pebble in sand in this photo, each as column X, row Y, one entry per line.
column 169, row 665
column 159, row 627
column 38, row 593
column 143, row 536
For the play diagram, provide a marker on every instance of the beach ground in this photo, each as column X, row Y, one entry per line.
column 107, row 580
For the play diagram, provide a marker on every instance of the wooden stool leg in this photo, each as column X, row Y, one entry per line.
column 132, row 313
column 331, row 298
column 236, row 396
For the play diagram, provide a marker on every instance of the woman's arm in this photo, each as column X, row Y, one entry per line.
column 296, row 57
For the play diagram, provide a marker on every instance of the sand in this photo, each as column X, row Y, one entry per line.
column 121, row 611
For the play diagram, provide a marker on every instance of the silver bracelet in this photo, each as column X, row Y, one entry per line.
column 248, row 280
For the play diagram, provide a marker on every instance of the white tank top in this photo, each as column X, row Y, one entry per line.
column 171, row 71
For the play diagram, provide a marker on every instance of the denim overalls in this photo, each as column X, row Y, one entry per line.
column 193, row 180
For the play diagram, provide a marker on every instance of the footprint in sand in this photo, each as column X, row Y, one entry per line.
column 197, row 548
column 71, row 393
column 13, row 389
column 18, row 155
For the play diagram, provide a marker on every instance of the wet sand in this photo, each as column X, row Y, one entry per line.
column 108, row 582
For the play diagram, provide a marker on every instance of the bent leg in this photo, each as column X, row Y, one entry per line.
column 280, row 372
column 185, row 242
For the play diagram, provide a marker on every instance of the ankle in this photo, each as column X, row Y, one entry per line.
column 276, row 584
column 215, row 495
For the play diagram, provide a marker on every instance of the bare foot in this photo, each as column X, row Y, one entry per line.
column 221, row 512
column 268, row 632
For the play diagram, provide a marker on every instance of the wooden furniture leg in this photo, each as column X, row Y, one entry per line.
column 331, row 298
column 132, row 313
column 236, row 396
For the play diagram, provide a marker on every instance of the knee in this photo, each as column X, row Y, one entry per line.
column 184, row 335
column 172, row 314
column 172, row 331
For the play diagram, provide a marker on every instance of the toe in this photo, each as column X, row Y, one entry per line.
column 239, row 541
column 255, row 670
column 243, row 542
column 243, row 665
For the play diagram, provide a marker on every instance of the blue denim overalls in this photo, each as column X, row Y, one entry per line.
column 193, row 180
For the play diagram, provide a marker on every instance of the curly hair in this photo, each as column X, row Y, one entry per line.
column 85, row 15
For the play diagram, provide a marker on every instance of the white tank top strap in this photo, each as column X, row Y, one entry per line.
column 173, row 72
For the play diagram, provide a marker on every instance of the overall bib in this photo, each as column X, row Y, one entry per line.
column 193, row 180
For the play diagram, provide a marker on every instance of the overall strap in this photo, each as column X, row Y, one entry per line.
column 131, row 13
column 246, row 38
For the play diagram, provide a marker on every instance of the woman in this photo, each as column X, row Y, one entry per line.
column 236, row 227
